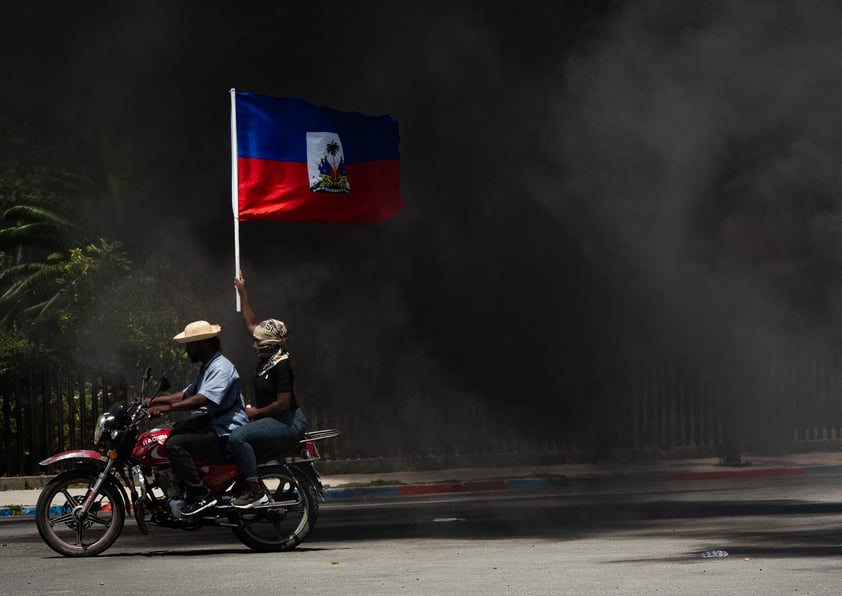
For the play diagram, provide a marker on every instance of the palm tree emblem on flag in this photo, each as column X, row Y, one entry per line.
column 325, row 153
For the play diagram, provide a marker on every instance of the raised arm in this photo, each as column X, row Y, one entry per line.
column 249, row 319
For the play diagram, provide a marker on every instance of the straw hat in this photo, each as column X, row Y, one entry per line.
column 197, row 331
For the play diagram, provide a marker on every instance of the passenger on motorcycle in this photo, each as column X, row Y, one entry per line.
column 217, row 408
column 276, row 419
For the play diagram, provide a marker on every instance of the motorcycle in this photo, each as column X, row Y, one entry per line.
column 82, row 510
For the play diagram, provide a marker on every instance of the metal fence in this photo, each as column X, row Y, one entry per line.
column 788, row 401
column 47, row 411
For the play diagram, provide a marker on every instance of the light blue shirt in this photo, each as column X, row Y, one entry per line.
column 219, row 381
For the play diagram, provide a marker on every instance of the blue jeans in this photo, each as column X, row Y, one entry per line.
column 263, row 434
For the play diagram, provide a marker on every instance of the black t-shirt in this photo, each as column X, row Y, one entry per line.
column 278, row 379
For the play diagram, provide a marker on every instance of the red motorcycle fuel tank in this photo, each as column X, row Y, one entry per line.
column 149, row 449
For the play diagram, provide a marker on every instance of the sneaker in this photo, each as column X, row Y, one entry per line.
column 195, row 507
column 250, row 499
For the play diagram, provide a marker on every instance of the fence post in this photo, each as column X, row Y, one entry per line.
column 18, row 426
column 46, row 417
column 60, row 403
column 7, row 425
column 83, row 411
column 71, row 408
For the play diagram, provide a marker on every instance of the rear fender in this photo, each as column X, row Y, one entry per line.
column 309, row 471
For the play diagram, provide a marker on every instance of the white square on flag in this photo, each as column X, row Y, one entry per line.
column 326, row 163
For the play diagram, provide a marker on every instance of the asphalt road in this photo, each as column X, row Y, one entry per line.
column 783, row 536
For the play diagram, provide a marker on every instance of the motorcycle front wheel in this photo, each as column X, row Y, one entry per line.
column 288, row 520
column 69, row 530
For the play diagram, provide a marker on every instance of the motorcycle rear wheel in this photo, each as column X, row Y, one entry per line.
column 61, row 523
column 281, row 528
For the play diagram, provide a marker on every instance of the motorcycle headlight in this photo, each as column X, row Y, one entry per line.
column 110, row 421
column 102, row 424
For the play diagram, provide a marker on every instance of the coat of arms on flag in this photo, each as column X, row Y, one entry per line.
column 326, row 163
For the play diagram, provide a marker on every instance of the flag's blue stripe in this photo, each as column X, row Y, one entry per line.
column 275, row 128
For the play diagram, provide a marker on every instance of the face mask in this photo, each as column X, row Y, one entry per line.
column 264, row 350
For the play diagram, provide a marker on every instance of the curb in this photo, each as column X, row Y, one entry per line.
column 745, row 474
column 13, row 512
column 363, row 493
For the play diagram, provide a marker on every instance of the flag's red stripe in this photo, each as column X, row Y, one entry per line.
column 280, row 191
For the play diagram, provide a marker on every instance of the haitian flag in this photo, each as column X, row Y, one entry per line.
column 300, row 162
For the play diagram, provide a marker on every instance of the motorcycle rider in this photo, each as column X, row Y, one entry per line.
column 277, row 419
column 217, row 408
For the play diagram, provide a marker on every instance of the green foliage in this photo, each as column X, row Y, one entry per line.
column 87, row 273
column 68, row 297
column 16, row 347
column 35, row 232
column 30, row 288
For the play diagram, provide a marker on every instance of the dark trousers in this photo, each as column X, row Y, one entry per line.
column 182, row 447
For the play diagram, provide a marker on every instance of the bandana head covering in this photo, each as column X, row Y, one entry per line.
column 270, row 332
column 269, row 339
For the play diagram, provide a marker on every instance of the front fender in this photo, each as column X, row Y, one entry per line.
column 78, row 455
column 92, row 471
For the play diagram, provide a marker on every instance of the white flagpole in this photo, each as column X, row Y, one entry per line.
column 235, row 203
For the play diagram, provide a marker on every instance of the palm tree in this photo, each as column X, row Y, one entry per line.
column 30, row 226
column 53, row 271
column 332, row 148
column 32, row 240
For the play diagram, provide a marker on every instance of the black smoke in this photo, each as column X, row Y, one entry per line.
column 590, row 187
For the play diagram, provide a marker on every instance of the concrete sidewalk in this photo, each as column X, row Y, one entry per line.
column 20, row 502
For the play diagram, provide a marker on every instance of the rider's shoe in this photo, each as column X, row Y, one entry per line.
column 195, row 507
column 250, row 499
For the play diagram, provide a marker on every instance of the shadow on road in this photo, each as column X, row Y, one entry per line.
column 772, row 528
column 769, row 528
